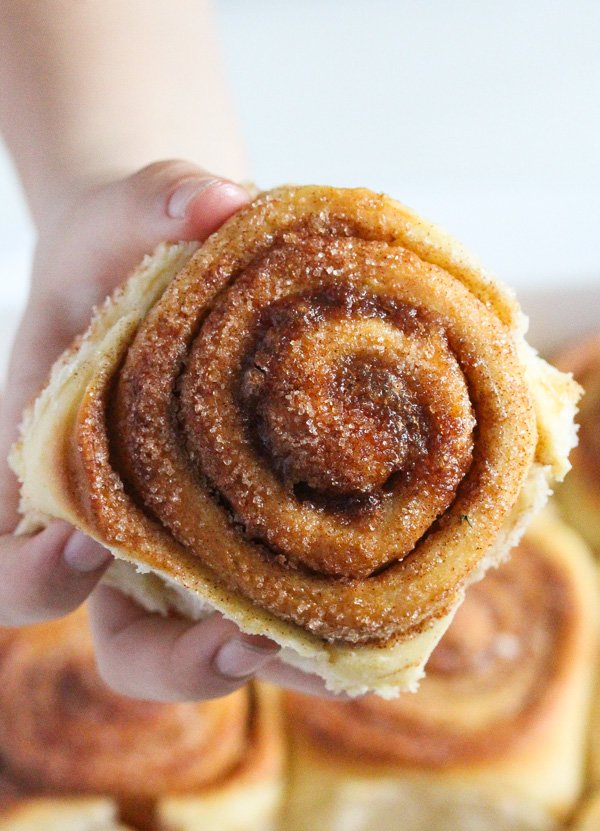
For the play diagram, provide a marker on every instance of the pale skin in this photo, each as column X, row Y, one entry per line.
column 92, row 91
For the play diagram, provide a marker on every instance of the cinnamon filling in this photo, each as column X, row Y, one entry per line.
column 339, row 424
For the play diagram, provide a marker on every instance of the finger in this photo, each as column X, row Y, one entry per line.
column 48, row 574
column 194, row 201
column 106, row 238
column 148, row 656
column 114, row 226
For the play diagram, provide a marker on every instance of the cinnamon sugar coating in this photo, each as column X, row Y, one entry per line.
column 324, row 423
column 313, row 411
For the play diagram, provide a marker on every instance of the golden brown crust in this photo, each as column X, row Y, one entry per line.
column 212, row 433
column 55, row 710
column 10, row 792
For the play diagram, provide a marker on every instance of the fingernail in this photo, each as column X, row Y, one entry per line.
column 82, row 553
column 184, row 194
column 241, row 658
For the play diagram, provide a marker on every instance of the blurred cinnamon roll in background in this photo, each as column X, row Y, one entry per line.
column 173, row 767
column 325, row 422
column 495, row 736
column 579, row 495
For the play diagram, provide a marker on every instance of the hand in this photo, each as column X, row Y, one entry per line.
column 86, row 248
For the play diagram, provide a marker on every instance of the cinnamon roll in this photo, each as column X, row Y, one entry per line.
column 62, row 731
column 493, row 739
column 325, row 423
column 580, row 494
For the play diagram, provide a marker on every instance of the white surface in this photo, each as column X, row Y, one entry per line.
column 484, row 116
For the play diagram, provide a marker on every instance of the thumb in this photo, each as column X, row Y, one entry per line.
column 102, row 236
column 166, row 201
column 81, row 259
column 175, row 201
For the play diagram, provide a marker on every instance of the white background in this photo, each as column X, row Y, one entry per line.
column 484, row 116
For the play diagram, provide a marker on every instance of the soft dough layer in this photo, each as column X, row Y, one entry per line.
column 325, row 423
column 495, row 736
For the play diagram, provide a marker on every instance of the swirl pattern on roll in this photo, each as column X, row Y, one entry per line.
column 491, row 681
column 62, row 730
column 334, row 425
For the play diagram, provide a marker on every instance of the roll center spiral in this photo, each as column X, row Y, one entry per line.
column 341, row 429
column 334, row 423
column 344, row 409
